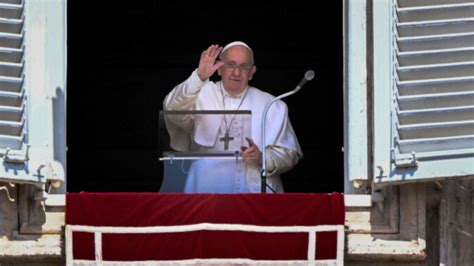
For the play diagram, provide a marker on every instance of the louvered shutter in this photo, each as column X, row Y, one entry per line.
column 32, row 72
column 428, row 90
column 12, row 89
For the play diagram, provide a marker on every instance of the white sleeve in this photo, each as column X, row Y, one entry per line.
column 182, row 98
column 280, row 159
column 282, row 150
column 184, row 95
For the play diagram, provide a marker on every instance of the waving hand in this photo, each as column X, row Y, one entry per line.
column 207, row 63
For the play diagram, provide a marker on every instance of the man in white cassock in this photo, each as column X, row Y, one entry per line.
column 235, row 65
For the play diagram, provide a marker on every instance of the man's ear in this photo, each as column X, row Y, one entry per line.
column 252, row 72
column 219, row 72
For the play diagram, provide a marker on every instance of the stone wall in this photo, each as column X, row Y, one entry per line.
column 414, row 224
column 27, row 239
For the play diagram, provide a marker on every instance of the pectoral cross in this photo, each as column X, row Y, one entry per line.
column 226, row 140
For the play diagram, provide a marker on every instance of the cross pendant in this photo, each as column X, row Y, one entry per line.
column 226, row 140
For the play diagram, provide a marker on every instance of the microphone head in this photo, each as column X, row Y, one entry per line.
column 309, row 75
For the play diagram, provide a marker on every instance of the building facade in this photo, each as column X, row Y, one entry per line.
column 32, row 130
column 409, row 131
column 409, row 88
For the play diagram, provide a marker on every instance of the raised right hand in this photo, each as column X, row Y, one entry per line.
column 207, row 63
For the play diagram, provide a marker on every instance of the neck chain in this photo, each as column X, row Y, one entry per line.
column 227, row 136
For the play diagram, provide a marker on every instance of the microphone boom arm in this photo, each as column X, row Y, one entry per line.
column 308, row 76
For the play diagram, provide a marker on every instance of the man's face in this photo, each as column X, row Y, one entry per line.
column 237, row 69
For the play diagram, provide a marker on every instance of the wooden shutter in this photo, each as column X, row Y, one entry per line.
column 12, row 89
column 431, row 90
column 32, row 91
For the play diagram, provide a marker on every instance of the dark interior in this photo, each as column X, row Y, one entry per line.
column 123, row 58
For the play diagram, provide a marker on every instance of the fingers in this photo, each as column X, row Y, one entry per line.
column 251, row 142
column 217, row 65
column 207, row 63
column 212, row 51
column 252, row 147
column 252, row 152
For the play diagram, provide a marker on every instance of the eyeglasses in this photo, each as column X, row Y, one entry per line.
column 233, row 65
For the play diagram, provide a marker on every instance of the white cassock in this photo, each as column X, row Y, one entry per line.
column 230, row 176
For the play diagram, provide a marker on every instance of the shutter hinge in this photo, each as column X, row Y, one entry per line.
column 405, row 162
column 15, row 157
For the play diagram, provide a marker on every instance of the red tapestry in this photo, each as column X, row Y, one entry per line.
column 155, row 209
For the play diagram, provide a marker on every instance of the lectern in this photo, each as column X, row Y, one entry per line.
column 201, row 150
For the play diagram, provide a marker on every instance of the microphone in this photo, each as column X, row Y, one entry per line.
column 309, row 75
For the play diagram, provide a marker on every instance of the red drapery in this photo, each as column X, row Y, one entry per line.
column 155, row 209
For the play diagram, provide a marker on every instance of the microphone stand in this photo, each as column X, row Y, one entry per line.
column 308, row 76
